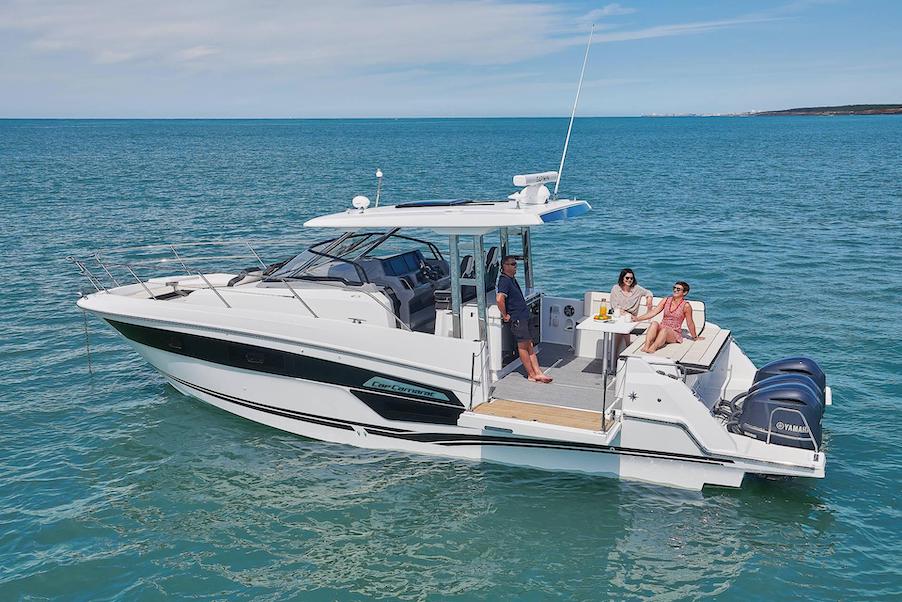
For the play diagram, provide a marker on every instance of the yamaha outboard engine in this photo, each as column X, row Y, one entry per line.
column 779, row 410
column 790, row 378
column 794, row 365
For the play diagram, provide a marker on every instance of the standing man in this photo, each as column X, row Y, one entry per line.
column 514, row 311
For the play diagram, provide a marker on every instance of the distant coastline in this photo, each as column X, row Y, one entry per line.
column 837, row 110
column 801, row 111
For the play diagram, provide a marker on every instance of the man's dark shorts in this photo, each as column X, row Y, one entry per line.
column 521, row 329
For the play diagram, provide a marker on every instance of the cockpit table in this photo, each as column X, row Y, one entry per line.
column 607, row 328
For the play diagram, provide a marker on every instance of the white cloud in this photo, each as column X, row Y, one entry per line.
column 611, row 10
column 327, row 36
column 195, row 53
column 313, row 35
column 312, row 57
column 679, row 29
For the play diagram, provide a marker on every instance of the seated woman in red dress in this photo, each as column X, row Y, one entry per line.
column 676, row 309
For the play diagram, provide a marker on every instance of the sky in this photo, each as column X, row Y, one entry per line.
column 441, row 58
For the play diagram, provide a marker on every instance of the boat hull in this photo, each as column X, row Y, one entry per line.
column 330, row 412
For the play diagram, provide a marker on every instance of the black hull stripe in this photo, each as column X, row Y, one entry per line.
column 389, row 406
column 402, row 409
column 286, row 413
column 275, row 361
column 451, row 439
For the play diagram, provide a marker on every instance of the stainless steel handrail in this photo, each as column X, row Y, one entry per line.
column 472, row 376
column 104, row 268
column 473, row 381
column 298, row 297
column 87, row 273
column 213, row 288
column 367, row 293
column 259, row 259
column 179, row 258
column 168, row 261
column 139, row 281
column 129, row 266
column 208, row 243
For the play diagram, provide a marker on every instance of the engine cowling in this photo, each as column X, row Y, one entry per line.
column 791, row 378
column 798, row 364
column 790, row 412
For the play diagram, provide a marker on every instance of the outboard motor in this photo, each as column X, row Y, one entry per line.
column 730, row 409
column 779, row 409
column 790, row 378
column 794, row 365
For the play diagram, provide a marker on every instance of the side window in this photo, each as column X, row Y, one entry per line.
column 255, row 358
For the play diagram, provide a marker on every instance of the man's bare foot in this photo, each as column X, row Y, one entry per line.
column 545, row 378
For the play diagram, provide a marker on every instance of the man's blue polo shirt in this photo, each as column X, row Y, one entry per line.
column 515, row 303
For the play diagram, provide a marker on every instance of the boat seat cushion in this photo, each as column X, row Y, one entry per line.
column 593, row 300
column 695, row 355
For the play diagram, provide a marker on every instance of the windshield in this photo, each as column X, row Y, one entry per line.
column 316, row 263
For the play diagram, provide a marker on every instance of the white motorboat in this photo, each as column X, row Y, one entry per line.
column 374, row 338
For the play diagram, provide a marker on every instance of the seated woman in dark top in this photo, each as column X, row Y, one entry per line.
column 514, row 311
column 627, row 296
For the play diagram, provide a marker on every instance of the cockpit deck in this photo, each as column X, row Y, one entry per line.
column 546, row 414
column 577, row 381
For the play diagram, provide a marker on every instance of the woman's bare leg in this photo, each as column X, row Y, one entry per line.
column 661, row 339
column 650, row 336
column 672, row 336
column 665, row 335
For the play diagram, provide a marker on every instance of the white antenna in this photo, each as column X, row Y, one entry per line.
column 378, row 185
column 560, row 170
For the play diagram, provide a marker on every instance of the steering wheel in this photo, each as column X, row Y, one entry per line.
column 429, row 272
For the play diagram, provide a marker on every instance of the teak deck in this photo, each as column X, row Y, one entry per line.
column 535, row 412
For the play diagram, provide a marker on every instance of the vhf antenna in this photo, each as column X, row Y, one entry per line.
column 378, row 185
column 560, row 170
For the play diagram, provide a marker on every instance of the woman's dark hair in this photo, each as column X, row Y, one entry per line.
column 623, row 273
column 684, row 284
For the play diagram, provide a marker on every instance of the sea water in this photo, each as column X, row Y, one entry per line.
column 115, row 486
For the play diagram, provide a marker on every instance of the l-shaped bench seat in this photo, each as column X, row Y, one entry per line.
column 593, row 300
column 694, row 356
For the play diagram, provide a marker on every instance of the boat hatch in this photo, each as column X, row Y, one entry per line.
column 434, row 203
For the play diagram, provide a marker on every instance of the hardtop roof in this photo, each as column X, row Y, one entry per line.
column 475, row 217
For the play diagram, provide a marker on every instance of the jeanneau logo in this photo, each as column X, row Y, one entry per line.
column 386, row 384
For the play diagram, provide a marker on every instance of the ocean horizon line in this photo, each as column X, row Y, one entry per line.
column 376, row 118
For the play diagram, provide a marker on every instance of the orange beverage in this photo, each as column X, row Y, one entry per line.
column 603, row 312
